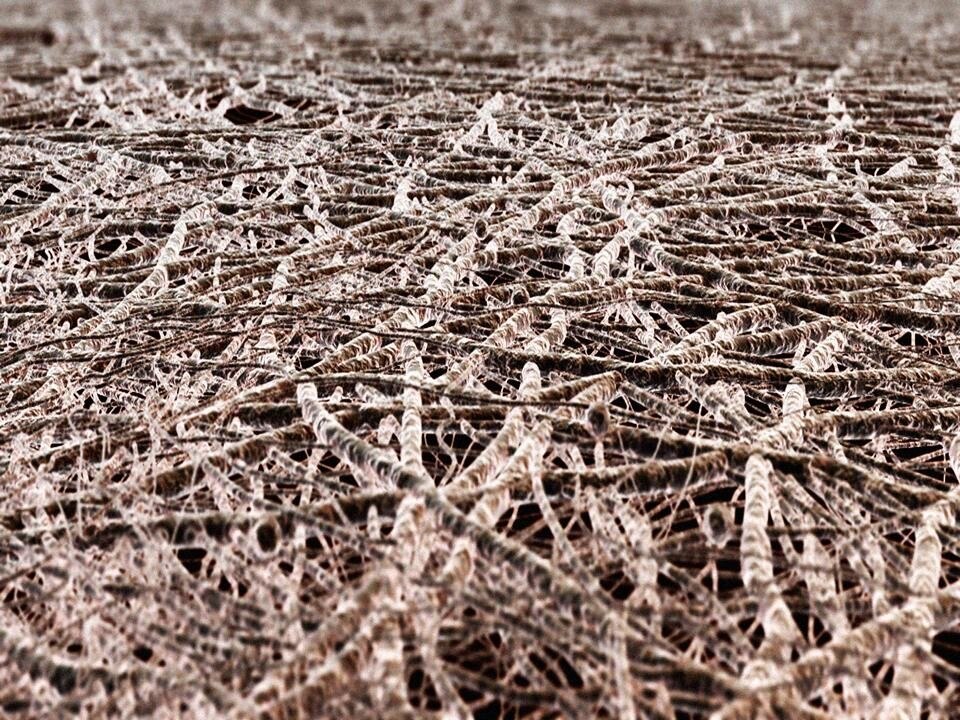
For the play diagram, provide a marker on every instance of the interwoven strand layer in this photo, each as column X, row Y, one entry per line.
column 480, row 359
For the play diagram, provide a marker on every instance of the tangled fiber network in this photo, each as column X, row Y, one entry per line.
column 480, row 360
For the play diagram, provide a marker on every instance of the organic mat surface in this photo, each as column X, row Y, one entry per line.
column 479, row 359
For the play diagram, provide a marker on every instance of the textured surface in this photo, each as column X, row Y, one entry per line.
column 479, row 360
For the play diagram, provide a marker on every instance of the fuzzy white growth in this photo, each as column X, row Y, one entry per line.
column 780, row 631
column 789, row 432
column 725, row 326
column 911, row 681
column 822, row 356
column 940, row 293
column 862, row 644
column 901, row 169
column 953, row 456
column 493, row 456
column 757, row 565
column 411, row 429
column 401, row 200
column 408, row 530
column 825, row 603
column 485, row 122
column 623, row 683
column 881, row 216
column 523, row 463
column 720, row 398
column 386, row 661
column 158, row 278
column 104, row 173
column 515, row 326
column 552, row 336
column 561, row 542
column 606, row 257
column 454, row 706
column 443, row 276
column 368, row 461
column 268, row 338
column 642, row 568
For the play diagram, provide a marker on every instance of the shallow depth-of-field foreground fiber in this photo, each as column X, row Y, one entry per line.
column 480, row 359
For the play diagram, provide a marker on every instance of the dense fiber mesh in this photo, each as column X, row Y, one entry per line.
column 479, row 360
